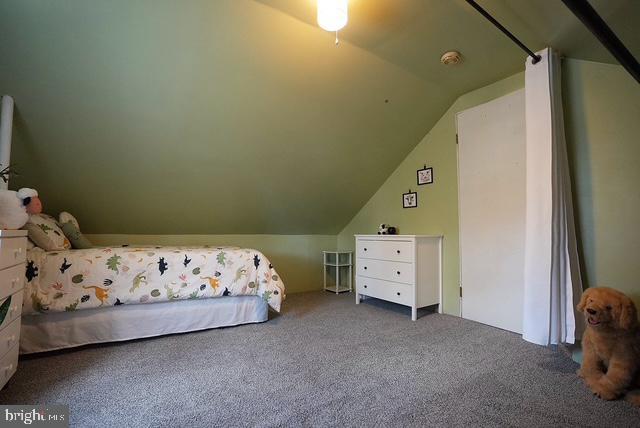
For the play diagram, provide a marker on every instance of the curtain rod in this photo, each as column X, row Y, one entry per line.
column 514, row 39
column 590, row 18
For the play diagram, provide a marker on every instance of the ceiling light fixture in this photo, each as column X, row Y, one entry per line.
column 333, row 15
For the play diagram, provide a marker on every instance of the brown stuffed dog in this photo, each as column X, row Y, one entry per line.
column 610, row 344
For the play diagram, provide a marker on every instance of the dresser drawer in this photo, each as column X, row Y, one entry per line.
column 9, row 336
column 13, row 251
column 391, row 291
column 8, row 365
column 11, row 280
column 399, row 251
column 390, row 271
column 13, row 310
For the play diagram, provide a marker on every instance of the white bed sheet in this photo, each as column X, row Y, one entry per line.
column 58, row 330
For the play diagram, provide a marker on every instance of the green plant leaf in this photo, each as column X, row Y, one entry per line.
column 113, row 262
column 222, row 258
column 4, row 309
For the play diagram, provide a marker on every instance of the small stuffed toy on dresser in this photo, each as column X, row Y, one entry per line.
column 385, row 229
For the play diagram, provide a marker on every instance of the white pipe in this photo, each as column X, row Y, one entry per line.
column 6, row 125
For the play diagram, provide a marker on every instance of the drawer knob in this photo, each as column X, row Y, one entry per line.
column 10, row 340
column 398, row 293
column 398, row 251
column 17, row 252
column 14, row 282
column 365, row 286
column 365, row 268
column 365, row 249
column 398, row 272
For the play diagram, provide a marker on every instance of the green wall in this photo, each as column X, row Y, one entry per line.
column 202, row 117
column 437, row 211
column 246, row 109
column 297, row 258
column 602, row 113
column 158, row 117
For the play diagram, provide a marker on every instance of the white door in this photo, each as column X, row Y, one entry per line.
column 491, row 192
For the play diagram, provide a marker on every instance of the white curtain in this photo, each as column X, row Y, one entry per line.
column 552, row 283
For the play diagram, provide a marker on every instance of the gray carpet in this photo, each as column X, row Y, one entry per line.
column 323, row 362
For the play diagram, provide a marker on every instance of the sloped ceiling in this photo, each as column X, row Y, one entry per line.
column 241, row 116
column 414, row 33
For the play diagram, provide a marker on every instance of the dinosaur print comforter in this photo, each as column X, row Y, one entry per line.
column 80, row 279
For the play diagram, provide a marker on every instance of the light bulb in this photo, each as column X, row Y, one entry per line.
column 332, row 14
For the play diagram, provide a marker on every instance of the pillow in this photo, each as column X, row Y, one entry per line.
column 65, row 217
column 45, row 233
column 72, row 232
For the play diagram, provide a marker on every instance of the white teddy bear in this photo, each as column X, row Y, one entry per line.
column 13, row 209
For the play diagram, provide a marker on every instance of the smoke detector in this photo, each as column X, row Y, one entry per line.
column 451, row 58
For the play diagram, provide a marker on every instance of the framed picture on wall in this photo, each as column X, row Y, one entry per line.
column 425, row 176
column 410, row 199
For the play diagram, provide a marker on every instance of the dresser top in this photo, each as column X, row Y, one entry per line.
column 12, row 233
column 398, row 236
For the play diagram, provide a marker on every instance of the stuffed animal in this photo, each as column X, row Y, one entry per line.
column 71, row 230
column 16, row 207
column 30, row 200
column 385, row 229
column 610, row 344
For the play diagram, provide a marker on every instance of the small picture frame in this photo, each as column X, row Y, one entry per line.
column 410, row 199
column 425, row 176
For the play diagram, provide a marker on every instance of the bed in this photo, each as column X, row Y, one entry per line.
column 78, row 297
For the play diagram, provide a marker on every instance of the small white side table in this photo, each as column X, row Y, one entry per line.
column 337, row 260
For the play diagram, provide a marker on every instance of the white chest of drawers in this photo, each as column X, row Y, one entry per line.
column 13, row 254
column 404, row 269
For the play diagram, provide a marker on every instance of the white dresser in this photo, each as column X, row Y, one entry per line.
column 13, row 253
column 404, row 269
